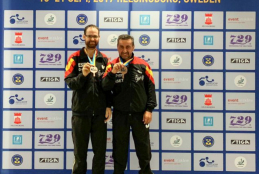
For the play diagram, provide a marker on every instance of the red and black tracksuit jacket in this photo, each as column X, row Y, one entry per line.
column 88, row 95
column 136, row 92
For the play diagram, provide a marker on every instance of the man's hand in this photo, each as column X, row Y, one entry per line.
column 117, row 67
column 108, row 114
column 147, row 117
column 86, row 69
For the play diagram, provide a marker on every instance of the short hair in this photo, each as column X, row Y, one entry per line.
column 125, row 37
column 91, row 26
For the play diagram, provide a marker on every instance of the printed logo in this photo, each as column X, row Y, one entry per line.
column 17, row 160
column 240, row 122
column 239, row 101
column 144, row 40
column 205, row 162
column 175, row 80
column 50, row 19
column 139, row 77
column 15, row 19
column 146, row 59
column 49, row 140
column 50, row 99
column 50, row 79
column 78, row 40
column 50, row 59
column 176, row 60
column 208, row 60
column 207, row 121
column 17, row 139
column 18, row 58
column 17, row 118
column 208, row 141
column 18, row 79
column 240, row 142
column 18, row 37
column 208, row 19
column 49, row 160
column 240, row 162
column 113, row 19
column 208, row 99
column 175, row 161
column 204, row 81
column 15, row 100
column 240, row 81
column 176, row 120
column 144, row 19
column 208, row 40
column 176, row 40
column 176, row 101
column 48, row 119
column 81, row 19
column 240, row 60
column 176, row 141
column 176, row 20
column 109, row 161
column 240, row 20
column 240, row 41
column 112, row 39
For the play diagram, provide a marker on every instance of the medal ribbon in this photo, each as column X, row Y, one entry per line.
column 127, row 62
column 92, row 62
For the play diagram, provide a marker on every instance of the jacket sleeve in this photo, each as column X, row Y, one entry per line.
column 74, row 79
column 108, row 78
column 150, row 89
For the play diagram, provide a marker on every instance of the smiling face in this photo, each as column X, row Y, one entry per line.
column 91, row 37
column 125, row 48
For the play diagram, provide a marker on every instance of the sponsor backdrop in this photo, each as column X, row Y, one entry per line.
column 203, row 56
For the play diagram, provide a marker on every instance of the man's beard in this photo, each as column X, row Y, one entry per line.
column 93, row 46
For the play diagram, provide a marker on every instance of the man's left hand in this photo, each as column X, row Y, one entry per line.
column 147, row 117
column 108, row 114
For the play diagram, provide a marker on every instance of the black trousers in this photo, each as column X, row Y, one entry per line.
column 82, row 128
column 121, row 130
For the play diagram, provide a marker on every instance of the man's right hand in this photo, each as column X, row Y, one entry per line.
column 117, row 67
column 86, row 69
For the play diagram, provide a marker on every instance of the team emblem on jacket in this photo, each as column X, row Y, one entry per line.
column 139, row 77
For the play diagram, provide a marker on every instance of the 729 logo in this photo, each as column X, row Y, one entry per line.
column 176, row 99
column 50, row 58
column 240, row 39
column 240, row 120
column 49, row 138
column 176, row 19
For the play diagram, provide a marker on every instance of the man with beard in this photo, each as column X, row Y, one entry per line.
column 131, row 80
column 90, row 104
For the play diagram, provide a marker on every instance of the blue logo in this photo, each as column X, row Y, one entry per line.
column 203, row 162
column 12, row 99
column 17, row 160
column 18, row 58
column 81, row 19
column 18, row 79
column 144, row 40
column 144, row 19
column 208, row 141
column 203, row 80
column 208, row 60
column 17, row 139
column 12, row 18
column 207, row 121
column 208, row 40
column 78, row 39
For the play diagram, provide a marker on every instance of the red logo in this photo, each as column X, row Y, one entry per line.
column 18, row 37
column 208, row 99
column 17, row 118
column 208, row 18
